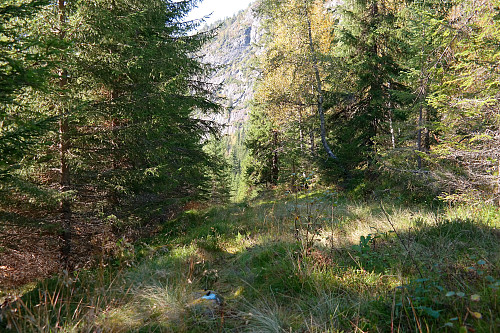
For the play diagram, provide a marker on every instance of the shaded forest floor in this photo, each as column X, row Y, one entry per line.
column 32, row 251
column 314, row 262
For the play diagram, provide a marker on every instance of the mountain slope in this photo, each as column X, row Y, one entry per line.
column 233, row 51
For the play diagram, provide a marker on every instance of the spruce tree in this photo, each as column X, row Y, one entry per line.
column 424, row 25
column 145, row 78
column 128, row 92
column 264, row 145
column 368, row 49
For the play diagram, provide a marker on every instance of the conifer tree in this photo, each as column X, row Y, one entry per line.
column 128, row 92
column 426, row 29
column 265, row 149
column 365, row 100
column 145, row 82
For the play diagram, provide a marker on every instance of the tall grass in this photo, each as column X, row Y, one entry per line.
column 65, row 303
column 311, row 262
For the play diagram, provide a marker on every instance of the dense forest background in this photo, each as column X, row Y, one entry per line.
column 116, row 117
column 379, row 97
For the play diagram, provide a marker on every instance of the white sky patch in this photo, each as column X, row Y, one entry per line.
column 220, row 9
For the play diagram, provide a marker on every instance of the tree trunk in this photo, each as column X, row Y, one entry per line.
column 113, row 195
column 423, row 140
column 419, row 136
column 391, row 127
column 393, row 138
column 65, row 204
column 427, row 132
column 422, row 121
column 275, row 167
column 64, row 143
column 301, row 132
column 313, row 145
column 378, row 86
column 319, row 91
column 293, row 182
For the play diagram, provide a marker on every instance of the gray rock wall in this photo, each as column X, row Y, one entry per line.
column 234, row 50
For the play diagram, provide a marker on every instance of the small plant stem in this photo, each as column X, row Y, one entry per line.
column 296, row 209
column 308, row 227
column 221, row 323
column 331, row 235
column 357, row 327
column 74, row 316
column 401, row 313
column 392, row 311
column 415, row 315
column 355, row 261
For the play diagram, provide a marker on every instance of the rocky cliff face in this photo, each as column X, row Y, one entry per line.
column 233, row 50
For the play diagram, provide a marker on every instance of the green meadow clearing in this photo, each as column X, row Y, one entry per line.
column 311, row 262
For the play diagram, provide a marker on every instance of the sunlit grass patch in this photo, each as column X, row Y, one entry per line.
column 121, row 319
column 354, row 281
column 266, row 315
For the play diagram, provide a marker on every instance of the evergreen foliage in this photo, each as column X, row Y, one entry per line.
column 124, row 82
column 22, row 66
column 467, row 103
column 144, row 79
column 369, row 50
column 264, row 145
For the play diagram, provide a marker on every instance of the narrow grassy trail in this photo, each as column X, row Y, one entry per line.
column 314, row 263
